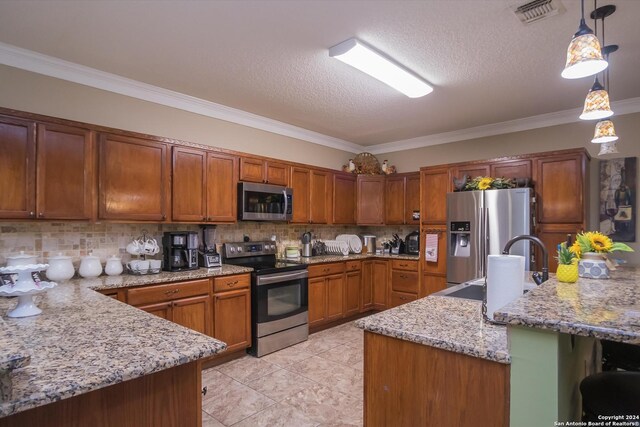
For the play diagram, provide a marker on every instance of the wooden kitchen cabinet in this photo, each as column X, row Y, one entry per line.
column 560, row 187
column 253, row 169
column 320, row 185
column 317, row 301
column 352, row 288
column 210, row 178
column 405, row 282
column 301, row 185
column 472, row 170
column 394, row 200
column 335, row 296
column 232, row 318
column 133, row 179
column 161, row 309
column 379, row 284
column 63, row 169
column 512, row 169
column 412, row 198
column 366, row 291
column 193, row 313
column 370, row 200
column 326, row 293
column 344, row 198
column 434, row 185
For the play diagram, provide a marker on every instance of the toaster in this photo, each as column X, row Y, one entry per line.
column 412, row 243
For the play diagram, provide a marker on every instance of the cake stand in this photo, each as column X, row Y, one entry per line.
column 25, row 288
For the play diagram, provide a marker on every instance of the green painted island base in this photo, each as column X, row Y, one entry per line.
column 546, row 370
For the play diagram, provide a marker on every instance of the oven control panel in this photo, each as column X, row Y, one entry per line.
column 245, row 249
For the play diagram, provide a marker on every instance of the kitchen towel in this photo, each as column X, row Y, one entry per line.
column 431, row 248
column 505, row 281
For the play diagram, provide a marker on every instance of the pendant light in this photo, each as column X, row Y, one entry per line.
column 596, row 105
column 608, row 148
column 584, row 56
column 605, row 132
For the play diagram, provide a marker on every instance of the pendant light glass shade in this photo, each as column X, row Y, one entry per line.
column 596, row 105
column 584, row 55
column 605, row 132
column 608, row 148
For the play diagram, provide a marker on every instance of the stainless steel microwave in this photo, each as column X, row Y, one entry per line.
column 264, row 202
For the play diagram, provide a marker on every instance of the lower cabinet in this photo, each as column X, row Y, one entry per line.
column 326, row 293
column 404, row 282
column 379, row 284
column 352, row 287
column 232, row 318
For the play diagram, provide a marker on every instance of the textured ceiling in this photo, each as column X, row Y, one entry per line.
column 270, row 57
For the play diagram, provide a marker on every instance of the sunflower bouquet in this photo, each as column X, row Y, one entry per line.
column 488, row 183
column 593, row 241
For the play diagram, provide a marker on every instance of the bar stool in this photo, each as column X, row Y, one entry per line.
column 610, row 393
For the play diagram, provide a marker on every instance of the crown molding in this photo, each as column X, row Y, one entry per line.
column 626, row 106
column 54, row 67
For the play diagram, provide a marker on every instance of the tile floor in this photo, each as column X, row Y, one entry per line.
column 314, row 383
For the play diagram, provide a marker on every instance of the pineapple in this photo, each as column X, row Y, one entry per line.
column 567, row 267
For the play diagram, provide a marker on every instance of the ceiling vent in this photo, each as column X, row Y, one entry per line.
column 537, row 9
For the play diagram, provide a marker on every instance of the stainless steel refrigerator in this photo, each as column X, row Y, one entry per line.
column 479, row 224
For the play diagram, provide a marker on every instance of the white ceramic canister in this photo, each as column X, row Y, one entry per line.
column 113, row 266
column 22, row 259
column 90, row 266
column 60, row 268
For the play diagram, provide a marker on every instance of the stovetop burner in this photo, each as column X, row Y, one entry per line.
column 261, row 256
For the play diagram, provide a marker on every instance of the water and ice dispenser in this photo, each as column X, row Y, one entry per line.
column 460, row 235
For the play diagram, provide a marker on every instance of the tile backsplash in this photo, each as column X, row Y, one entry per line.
column 46, row 239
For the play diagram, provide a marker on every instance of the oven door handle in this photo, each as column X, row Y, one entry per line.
column 268, row 279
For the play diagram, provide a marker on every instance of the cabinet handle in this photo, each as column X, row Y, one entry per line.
column 32, row 214
column 204, row 390
column 204, row 218
column 403, row 298
column 41, row 214
column 402, row 276
column 404, row 265
column 171, row 291
column 230, row 284
column 164, row 217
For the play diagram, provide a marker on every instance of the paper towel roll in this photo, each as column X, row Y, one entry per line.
column 505, row 281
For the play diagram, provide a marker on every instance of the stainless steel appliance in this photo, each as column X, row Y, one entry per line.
column 279, row 296
column 480, row 223
column 412, row 243
column 368, row 243
column 264, row 202
column 180, row 250
column 208, row 256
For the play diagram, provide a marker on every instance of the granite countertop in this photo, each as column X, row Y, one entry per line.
column 130, row 280
column 320, row 259
column 453, row 324
column 605, row 309
column 84, row 341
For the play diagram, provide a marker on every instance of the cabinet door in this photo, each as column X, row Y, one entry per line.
column 65, row 171
column 133, row 179
column 317, row 301
column 472, row 171
column 434, row 185
column 335, row 296
column 370, row 205
column 412, row 199
column 344, row 199
column 399, row 298
column 379, row 284
column 189, row 185
column 366, row 294
column 552, row 235
column 394, row 200
column 352, row 289
column 300, row 183
column 439, row 267
column 251, row 169
column 222, row 187
column 560, row 188
column 193, row 313
column 232, row 318
column 431, row 284
column 320, row 185
column 17, row 168
column 277, row 173
column 162, row 309
column 512, row 169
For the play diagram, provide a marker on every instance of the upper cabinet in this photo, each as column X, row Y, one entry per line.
column 370, row 196
column 435, row 185
column 58, row 183
column 402, row 199
column 300, row 183
column 471, row 170
column 560, row 187
column 320, row 184
column 17, row 168
column 344, row 198
column 203, row 186
column 512, row 169
column 412, row 199
column 133, row 179
column 258, row 170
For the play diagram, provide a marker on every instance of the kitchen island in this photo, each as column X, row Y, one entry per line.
column 89, row 359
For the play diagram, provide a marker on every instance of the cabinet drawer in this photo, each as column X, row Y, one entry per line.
column 326, row 269
column 228, row 283
column 399, row 298
column 403, row 264
column 167, row 292
column 404, row 281
column 353, row 265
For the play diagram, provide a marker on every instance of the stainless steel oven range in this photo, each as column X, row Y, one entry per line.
column 279, row 296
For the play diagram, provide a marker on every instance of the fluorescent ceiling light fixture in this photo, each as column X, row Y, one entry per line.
column 369, row 61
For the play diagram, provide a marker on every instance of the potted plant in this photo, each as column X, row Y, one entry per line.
column 591, row 248
column 567, row 265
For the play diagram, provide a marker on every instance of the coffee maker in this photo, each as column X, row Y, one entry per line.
column 180, row 250
column 208, row 257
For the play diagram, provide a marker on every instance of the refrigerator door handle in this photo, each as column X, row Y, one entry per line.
column 481, row 234
column 485, row 220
